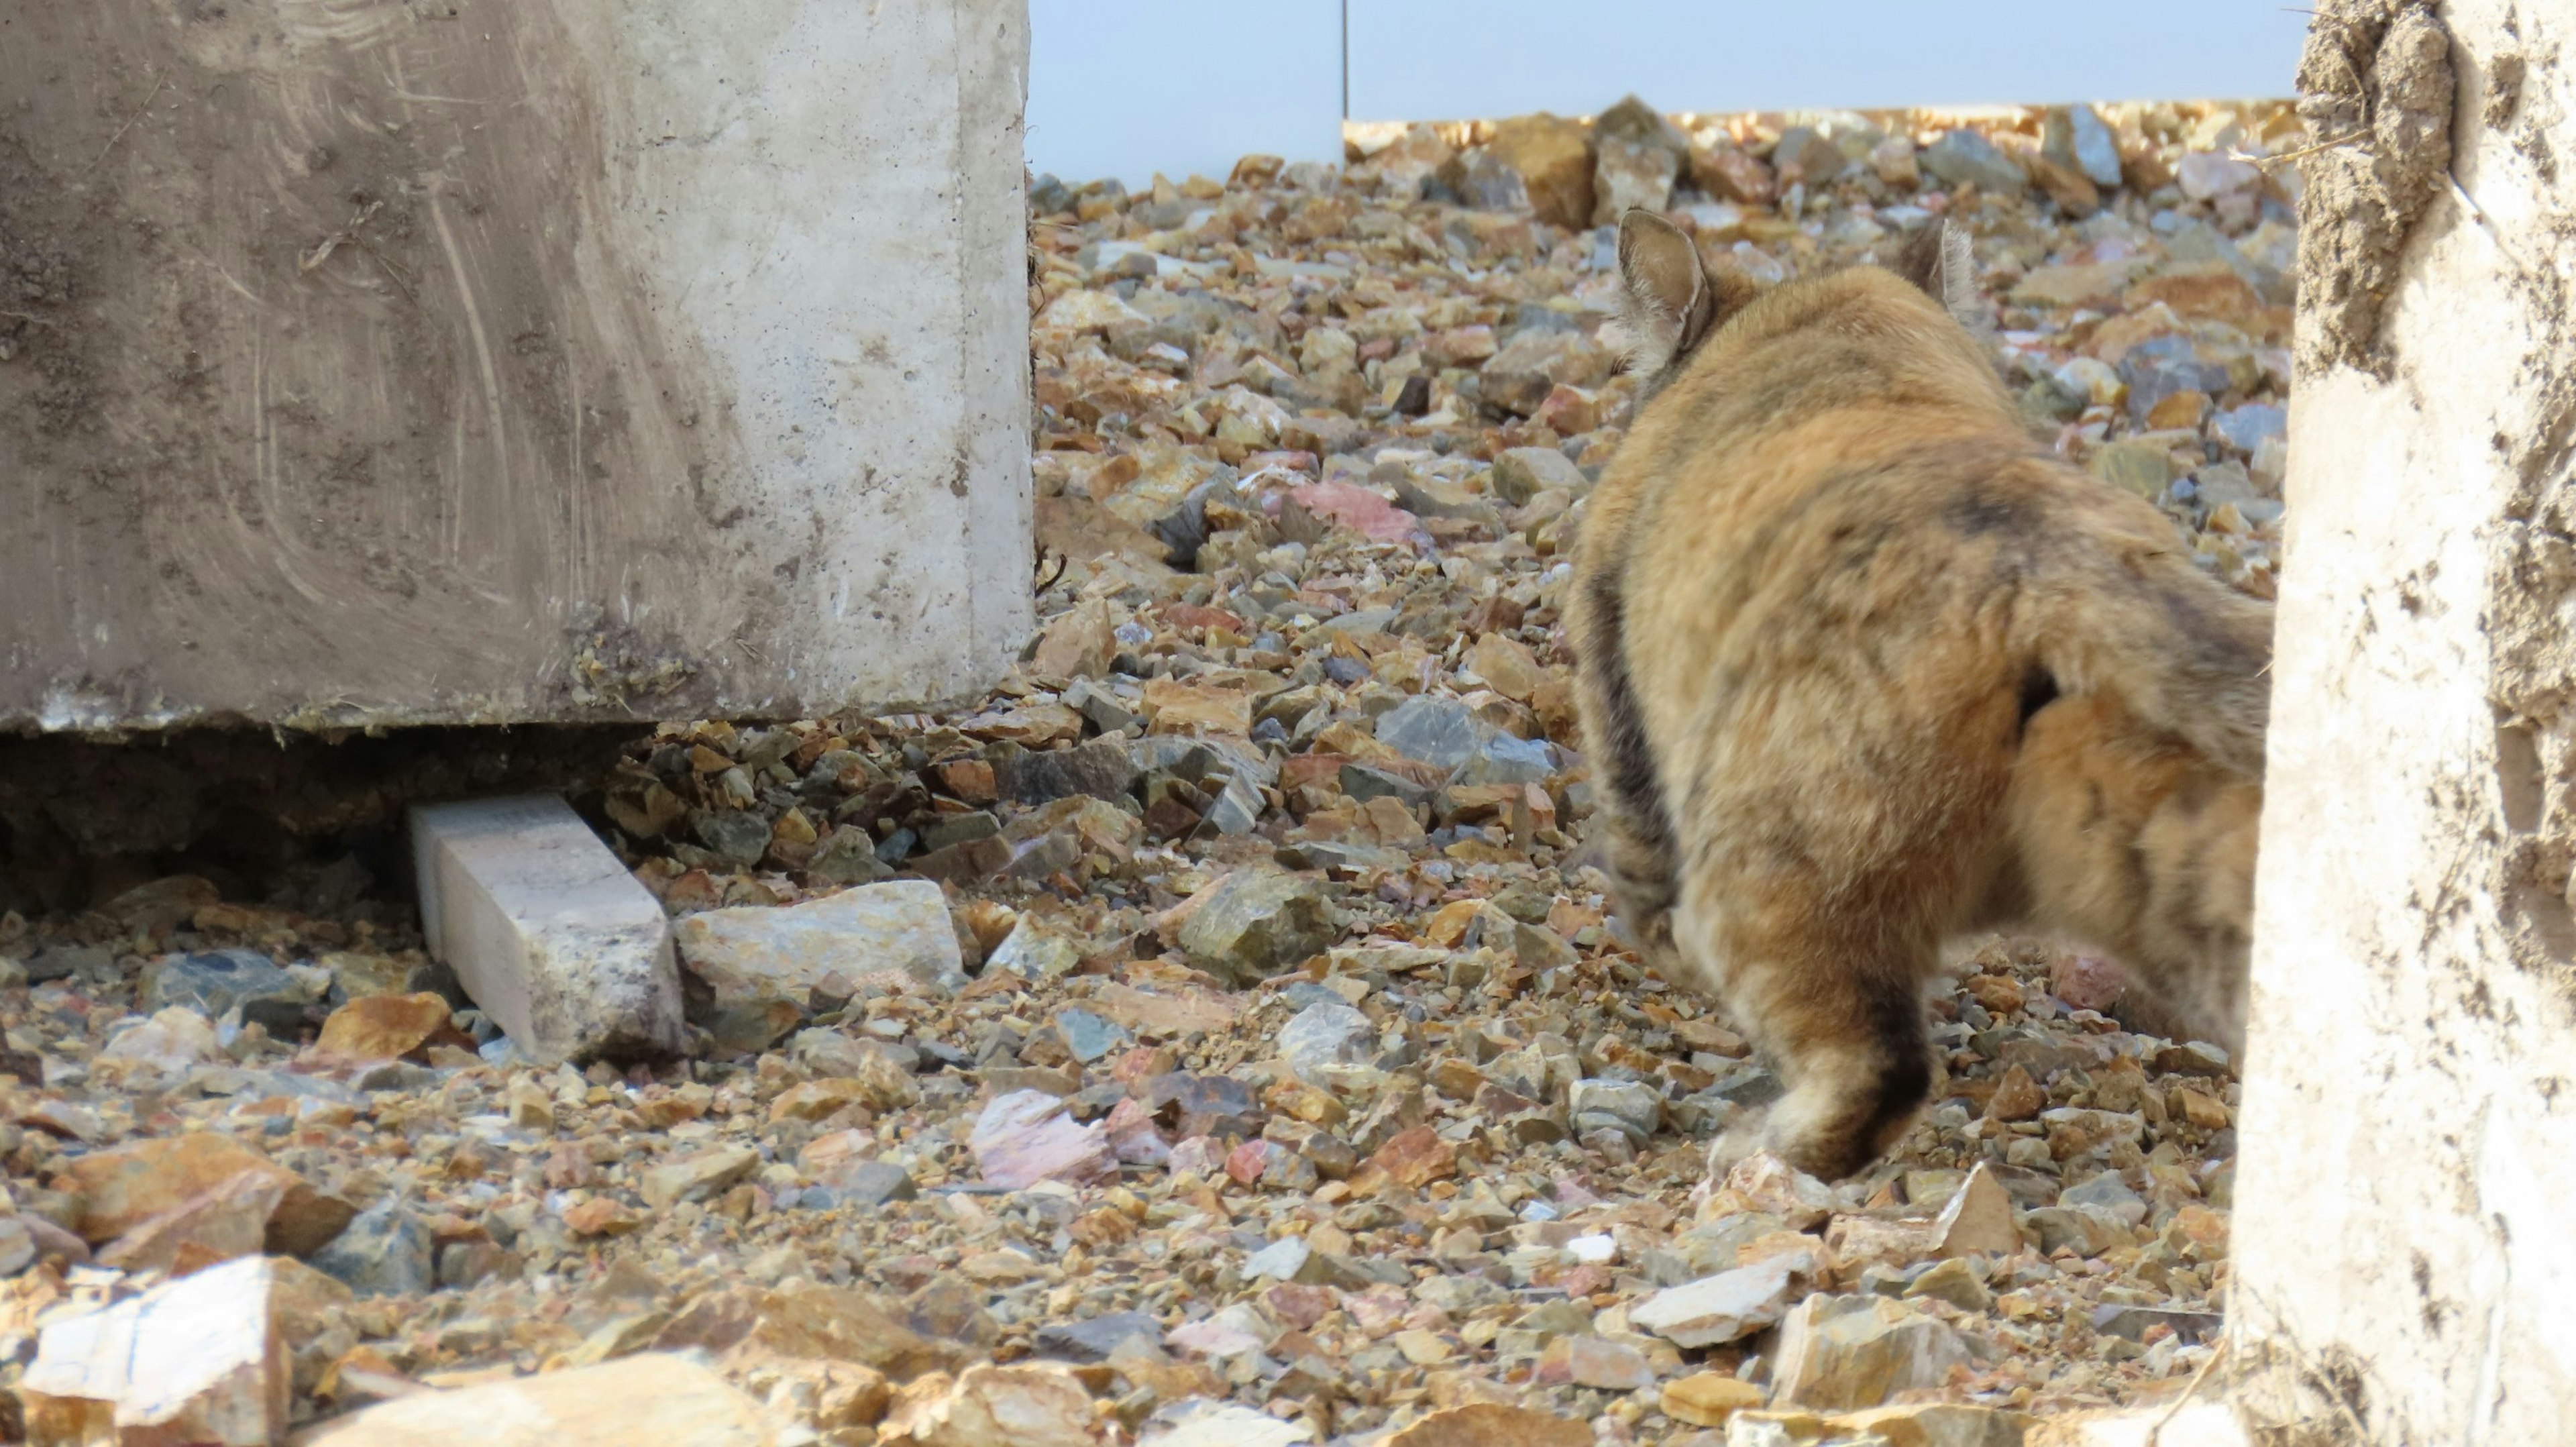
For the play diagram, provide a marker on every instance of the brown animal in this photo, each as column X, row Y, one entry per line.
column 1863, row 668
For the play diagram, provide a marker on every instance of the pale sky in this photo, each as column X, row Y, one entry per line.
column 1129, row 87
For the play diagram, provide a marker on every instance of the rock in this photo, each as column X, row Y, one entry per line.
column 1327, row 1032
column 171, row 1042
column 1101, row 769
column 2207, row 175
column 1446, row 733
column 1094, row 1339
column 376, row 1028
column 1254, row 923
column 1036, row 950
column 2131, row 1323
column 1221, row 1424
column 2084, row 1230
column 1707, row 1399
column 196, row 1360
column 2076, row 136
column 1484, row 181
column 1801, row 157
column 386, row 1251
column 1627, row 174
column 1951, row 1281
column 753, row 954
column 1089, row 1036
column 1590, row 1361
column 221, row 1225
column 1281, row 1260
column 1962, row 157
column 160, row 904
column 1432, row 497
column 2247, row 427
column 1633, row 1108
column 1025, row 1137
column 1492, row 1424
column 1553, row 158
column 545, row 928
column 1715, row 1310
column 1840, row 1352
column 122, row 1188
column 1079, row 644
column 2107, row 1192
column 1522, row 473
column 663, row 1397
column 1028, row 1404
column 1507, row 666
column 1978, row 1220
column 1939, row 1424
column 18, row 1246
column 215, row 982
column 1764, row 1182
column 1728, row 173
column 699, row 1177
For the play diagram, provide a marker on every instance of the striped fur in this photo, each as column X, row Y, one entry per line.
column 1863, row 668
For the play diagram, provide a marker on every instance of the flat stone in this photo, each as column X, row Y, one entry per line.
column 215, row 982
column 1037, row 950
column 2131, row 1323
column 699, row 1177
column 123, row 1187
column 755, row 953
column 1093, row 1339
column 1718, row 1309
column 196, row 1360
column 375, row 1028
column 1942, row 1424
column 546, row 930
column 662, row 1397
column 386, row 1251
column 1222, row 1424
column 1493, row 1424
column 1707, row 1399
column 1841, row 1352
column 1553, row 158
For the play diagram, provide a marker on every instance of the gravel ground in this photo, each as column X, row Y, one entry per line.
column 1274, row 1075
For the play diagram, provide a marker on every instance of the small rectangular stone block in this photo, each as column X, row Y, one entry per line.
column 197, row 1360
column 545, row 929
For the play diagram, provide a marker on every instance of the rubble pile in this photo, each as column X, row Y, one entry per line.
column 1214, row 1036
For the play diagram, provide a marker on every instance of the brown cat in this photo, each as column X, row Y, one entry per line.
column 1863, row 667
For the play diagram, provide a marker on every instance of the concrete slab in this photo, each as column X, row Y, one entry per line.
column 546, row 930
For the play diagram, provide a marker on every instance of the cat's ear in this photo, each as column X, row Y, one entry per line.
column 1939, row 260
column 1668, row 302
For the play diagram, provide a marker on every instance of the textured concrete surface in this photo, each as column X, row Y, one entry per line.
column 2405, row 1235
column 483, row 362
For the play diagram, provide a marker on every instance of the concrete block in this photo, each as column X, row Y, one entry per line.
column 546, row 930
column 588, row 360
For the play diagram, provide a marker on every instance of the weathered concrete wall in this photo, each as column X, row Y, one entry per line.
column 383, row 362
column 2406, row 1232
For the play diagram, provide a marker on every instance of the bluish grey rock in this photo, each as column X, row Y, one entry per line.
column 212, row 982
column 1961, row 157
column 386, row 1251
column 1088, row 1036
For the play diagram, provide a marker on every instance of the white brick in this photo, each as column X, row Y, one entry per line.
column 545, row 928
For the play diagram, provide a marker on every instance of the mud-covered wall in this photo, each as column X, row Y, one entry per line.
column 2405, row 1249
column 400, row 361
